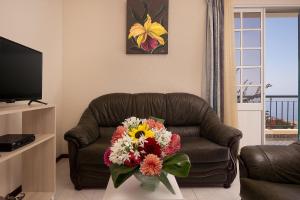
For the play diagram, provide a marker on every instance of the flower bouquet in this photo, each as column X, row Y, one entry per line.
column 146, row 149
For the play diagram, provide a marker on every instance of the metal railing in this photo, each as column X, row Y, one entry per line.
column 281, row 111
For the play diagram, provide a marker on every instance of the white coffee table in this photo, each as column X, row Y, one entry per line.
column 131, row 190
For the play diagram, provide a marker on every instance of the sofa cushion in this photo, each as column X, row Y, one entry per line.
column 185, row 109
column 185, row 131
column 112, row 109
column 201, row 150
column 275, row 163
column 178, row 109
column 93, row 154
column 254, row 189
column 106, row 132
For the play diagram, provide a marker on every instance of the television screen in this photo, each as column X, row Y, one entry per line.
column 20, row 72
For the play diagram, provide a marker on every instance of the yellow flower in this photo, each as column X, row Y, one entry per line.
column 154, row 30
column 141, row 130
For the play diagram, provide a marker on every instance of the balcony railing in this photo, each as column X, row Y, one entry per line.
column 281, row 111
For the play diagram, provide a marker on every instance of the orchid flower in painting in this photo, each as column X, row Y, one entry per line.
column 148, row 36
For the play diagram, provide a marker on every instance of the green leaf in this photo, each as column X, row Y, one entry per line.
column 162, row 21
column 121, row 173
column 157, row 50
column 157, row 119
column 133, row 41
column 135, row 16
column 178, row 165
column 146, row 10
column 160, row 11
column 164, row 179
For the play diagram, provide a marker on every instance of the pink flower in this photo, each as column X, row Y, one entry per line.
column 149, row 44
column 173, row 146
column 133, row 160
column 154, row 124
column 106, row 155
column 118, row 134
column 151, row 166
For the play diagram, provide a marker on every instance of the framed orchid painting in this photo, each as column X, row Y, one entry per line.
column 147, row 27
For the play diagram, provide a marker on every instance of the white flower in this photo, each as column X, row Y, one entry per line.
column 132, row 122
column 120, row 150
column 141, row 141
column 163, row 137
column 136, row 154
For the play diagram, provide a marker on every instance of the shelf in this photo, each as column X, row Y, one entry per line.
column 38, row 195
column 39, row 138
column 11, row 109
column 36, row 160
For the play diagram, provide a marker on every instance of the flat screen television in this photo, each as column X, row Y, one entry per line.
column 21, row 70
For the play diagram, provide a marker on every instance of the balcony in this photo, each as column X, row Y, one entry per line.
column 281, row 115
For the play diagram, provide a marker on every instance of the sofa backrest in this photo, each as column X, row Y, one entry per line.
column 183, row 113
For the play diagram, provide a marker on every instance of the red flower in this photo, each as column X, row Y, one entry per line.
column 132, row 161
column 151, row 147
column 173, row 146
column 149, row 44
column 106, row 155
column 118, row 134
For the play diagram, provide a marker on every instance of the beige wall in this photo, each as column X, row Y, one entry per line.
column 267, row 2
column 37, row 24
column 95, row 62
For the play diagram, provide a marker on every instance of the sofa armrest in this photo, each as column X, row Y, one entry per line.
column 223, row 135
column 81, row 136
column 271, row 163
column 73, row 156
column 86, row 132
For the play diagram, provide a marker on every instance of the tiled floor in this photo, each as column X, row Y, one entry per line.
column 280, row 141
column 65, row 189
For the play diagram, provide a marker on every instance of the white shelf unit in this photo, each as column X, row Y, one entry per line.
column 39, row 157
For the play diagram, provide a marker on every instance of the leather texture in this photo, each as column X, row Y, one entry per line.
column 202, row 150
column 270, row 172
column 86, row 132
column 212, row 146
column 252, row 189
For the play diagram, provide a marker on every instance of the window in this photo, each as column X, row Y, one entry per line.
column 248, row 56
column 267, row 65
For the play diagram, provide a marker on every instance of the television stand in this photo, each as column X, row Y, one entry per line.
column 35, row 100
column 35, row 162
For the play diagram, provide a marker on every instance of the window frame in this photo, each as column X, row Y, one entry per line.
column 242, row 105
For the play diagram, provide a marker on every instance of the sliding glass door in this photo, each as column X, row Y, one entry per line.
column 281, row 77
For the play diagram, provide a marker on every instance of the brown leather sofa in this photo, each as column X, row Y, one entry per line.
column 270, row 172
column 211, row 146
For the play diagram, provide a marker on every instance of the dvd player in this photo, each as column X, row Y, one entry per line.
column 11, row 142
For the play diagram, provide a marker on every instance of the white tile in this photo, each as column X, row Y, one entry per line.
column 188, row 194
column 217, row 193
column 65, row 189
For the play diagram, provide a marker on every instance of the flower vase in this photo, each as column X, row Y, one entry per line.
column 149, row 183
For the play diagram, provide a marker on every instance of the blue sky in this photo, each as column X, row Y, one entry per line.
column 281, row 69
